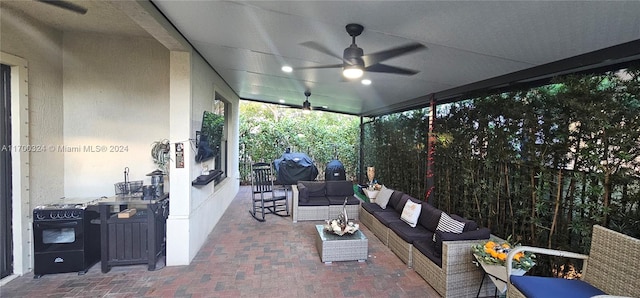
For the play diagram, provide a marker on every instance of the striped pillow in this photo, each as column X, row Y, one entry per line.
column 449, row 225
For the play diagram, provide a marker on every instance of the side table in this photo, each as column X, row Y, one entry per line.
column 341, row 248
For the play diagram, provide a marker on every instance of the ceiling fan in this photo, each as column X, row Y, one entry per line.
column 355, row 63
column 65, row 5
column 306, row 105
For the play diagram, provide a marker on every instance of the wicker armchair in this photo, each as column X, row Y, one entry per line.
column 612, row 267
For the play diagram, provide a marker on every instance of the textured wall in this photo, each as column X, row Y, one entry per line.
column 41, row 46
column 116, row 98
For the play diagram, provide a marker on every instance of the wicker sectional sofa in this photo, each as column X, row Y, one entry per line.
column 322, row 200
column 443, row 259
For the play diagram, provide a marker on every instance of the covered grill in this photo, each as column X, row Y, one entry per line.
column 334, row 171
column 292, row 167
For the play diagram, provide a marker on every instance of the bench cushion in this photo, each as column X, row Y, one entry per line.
column 314, row 188
column 429, row 217
column 339, row 200
column 386, row 218
column 373, row 207
column 544, row 287
column 314, row 201
column 409, row 234
column 469, row 225
column 426, row 248
column 440, row 236
column 340, row 188
column 394, row 199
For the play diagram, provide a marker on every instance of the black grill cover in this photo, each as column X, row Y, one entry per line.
column 335, row 171
column 293, row 167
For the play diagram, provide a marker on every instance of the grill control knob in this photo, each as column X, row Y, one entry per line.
column 39, row 216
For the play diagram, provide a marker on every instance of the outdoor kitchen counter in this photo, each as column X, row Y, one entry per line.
column 139, row 239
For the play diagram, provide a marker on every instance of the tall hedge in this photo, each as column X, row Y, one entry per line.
column 541, row 165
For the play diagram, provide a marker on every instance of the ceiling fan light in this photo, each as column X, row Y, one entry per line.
column 306, row 106
column 352, row 72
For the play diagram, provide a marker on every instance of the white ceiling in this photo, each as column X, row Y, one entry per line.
column 470, row 45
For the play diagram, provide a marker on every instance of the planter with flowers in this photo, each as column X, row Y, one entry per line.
column 492, row 256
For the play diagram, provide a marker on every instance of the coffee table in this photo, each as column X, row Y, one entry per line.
column 348, row 247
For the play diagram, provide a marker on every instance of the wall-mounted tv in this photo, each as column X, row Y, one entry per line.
column 210, row 137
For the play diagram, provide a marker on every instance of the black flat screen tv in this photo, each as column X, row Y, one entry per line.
column 210, row 139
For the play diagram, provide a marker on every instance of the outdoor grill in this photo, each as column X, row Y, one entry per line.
column 334, row 171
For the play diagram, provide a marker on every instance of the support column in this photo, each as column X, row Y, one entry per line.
column 178, row 223
column 431, row 151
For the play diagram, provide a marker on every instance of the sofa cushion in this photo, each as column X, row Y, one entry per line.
column 405, row 197
column 339, row 188
column 469, row 225
column 387, row 218
column 440, row 236
column 303, row 193
column 411, row 213
column 450, row 225
column 429, row 217
column 339, row 200
column 383, row 197
column 315, row 201
column 373, row 207
column 315, row 188
column 410, row 234
column 395, row 199
column 538, row 286
column 426, row 248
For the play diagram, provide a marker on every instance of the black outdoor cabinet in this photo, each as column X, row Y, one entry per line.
column 139, row 239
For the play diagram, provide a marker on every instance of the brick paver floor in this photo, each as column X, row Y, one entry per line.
column 243, row 258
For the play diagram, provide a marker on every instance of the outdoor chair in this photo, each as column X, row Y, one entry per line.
column 611, row 268
column 265, row 197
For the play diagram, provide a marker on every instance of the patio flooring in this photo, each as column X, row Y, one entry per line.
column 243, row 258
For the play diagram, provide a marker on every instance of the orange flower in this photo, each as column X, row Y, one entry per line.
column 502, row 256
column 494, row 253
column 518, row 256
column 505, row 245
column 489, row 244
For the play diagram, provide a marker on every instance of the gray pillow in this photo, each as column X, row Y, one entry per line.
column 383, row 197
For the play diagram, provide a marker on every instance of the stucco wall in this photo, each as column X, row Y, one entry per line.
column 41, row 46
column 192, row 220
column 116, row 98
column 94, row 90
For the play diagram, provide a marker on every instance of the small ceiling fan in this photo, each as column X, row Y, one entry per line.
column 65, row 5
column 355, row 63
column 306, row 105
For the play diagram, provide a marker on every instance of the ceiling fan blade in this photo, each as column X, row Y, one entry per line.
column 377, row 57
column 320, row 48
column 383, row 68
column 65, row 5
column 320, row 66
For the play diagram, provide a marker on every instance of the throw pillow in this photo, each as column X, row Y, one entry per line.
column 449, row 225
column 411, row 213
column 383, row 196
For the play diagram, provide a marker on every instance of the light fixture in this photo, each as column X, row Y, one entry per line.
column 287, row 68
column 306, row 105
column 352, row 71
column 366, row 82
column 281, row 100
